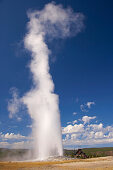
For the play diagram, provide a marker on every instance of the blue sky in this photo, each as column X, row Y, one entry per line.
column 81, row 68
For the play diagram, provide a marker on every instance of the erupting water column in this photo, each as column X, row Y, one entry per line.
column 51, row 22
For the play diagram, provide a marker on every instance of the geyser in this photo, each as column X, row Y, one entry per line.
column 51, row 22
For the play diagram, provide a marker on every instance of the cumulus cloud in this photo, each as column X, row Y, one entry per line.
column 99, row 135
column 89, row 104
column 11, row 136
column 86, row 119
column 73, row 129
column 75, row 121
column 15, row 141
column 97, row 126
column 85, row 107
column 87, row 134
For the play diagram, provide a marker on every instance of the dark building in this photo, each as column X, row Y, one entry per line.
column 80, row 154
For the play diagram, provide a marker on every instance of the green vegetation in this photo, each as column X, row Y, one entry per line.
column 98, row 152
column 69, row 153
column 91, row 152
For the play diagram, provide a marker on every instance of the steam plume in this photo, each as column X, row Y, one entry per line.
column 51, row 22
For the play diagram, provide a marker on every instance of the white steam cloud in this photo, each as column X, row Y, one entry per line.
column 14, row 103
column 53, row 21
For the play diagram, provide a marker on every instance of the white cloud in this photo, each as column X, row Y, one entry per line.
column 86, row 119
column 73, row 129
column 75, row 136
column 75, row 121
column 74, row 113
column 89, row 104
column 14, row 104
column 17, row 145
column 99, row 134
column 29, row 126
column 19, row 119
column 85, row 107
column 96, row 127
column 87, row 134
column 15, row 141
column 12, row 136
column 68, row 123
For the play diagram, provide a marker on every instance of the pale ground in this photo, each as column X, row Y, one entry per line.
column 103, row 163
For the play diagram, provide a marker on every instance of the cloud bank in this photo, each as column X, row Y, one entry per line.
column 12, row 136
column 87, row 134
column 91, row 134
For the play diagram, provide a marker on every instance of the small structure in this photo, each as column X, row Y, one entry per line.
column 80, row 154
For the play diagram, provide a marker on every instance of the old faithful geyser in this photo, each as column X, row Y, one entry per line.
column 51, row 22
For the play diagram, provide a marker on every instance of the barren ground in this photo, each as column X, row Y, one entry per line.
column 77, row 164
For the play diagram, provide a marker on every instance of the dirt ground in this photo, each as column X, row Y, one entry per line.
column 103, row 163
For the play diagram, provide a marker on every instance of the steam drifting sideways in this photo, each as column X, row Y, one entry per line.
column 53, row 21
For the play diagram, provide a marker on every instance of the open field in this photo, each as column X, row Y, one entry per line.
column 77, row 164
